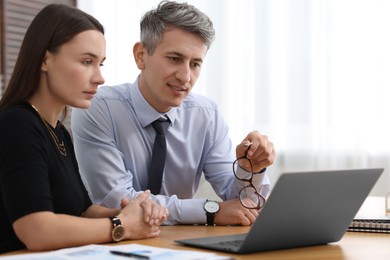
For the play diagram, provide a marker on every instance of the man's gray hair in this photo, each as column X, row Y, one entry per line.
column 169, row 15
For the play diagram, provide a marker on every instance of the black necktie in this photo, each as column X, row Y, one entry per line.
column 158, row 156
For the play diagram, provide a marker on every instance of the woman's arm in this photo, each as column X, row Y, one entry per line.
column 47, row 230
column 96, row 211
column 154, row 214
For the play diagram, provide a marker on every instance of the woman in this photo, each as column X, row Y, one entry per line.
column 43, row 202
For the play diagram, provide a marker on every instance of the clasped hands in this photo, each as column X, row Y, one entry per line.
column 142, row 216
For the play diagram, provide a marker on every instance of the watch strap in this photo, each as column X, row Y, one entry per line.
column 116, row 221
column 210, row 218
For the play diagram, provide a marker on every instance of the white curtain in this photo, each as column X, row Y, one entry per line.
column 313, row 75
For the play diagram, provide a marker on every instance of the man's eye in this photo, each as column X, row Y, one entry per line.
column 173, row 58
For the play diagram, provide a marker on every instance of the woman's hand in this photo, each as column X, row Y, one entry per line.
column 154, row 214
column 142, row 217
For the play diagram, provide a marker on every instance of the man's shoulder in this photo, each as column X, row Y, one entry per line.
column 119, row 92
column 197, row 100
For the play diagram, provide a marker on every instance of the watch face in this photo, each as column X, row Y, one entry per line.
column 118, row 233
column 211, row 206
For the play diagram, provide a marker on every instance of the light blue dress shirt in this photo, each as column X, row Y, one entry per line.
column 114, row 141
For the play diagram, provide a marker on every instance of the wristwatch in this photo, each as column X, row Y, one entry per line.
column 118, row 232
column 211, row 207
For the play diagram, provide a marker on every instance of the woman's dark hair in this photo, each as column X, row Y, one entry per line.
column 52, row 27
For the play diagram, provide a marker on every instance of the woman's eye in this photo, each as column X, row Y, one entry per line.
column 195, row 65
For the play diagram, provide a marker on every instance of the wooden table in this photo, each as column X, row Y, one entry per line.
column 353, row 245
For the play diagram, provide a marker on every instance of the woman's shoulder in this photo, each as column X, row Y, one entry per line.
column 18, row 117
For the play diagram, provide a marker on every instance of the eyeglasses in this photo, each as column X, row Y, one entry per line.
column 250, row 198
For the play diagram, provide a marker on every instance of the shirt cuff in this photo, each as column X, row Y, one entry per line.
column 193, row 211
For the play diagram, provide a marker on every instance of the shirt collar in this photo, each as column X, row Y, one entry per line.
column 146, row 113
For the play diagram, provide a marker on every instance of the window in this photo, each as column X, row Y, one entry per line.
column 16, row 16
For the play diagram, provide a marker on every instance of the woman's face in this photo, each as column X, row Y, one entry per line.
column 72, row 75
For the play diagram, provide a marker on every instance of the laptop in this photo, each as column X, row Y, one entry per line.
column 303, row 209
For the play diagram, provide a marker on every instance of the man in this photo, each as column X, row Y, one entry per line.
column 114, row 138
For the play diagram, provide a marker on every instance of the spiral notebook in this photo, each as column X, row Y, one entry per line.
column 303, row 209
column 373, row 225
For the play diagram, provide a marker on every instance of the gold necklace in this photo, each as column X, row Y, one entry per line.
column 60, row 145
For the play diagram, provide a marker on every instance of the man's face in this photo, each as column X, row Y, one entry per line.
column 169, row 74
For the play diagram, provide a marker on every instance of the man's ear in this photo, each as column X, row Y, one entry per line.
column 139, row 53
column 44, row 62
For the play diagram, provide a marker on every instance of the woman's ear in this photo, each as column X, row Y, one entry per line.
column 139, row 53
column 44, row 62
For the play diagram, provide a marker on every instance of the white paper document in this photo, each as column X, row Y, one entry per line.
column 93, row 252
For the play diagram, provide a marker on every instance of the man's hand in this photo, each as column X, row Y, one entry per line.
column 258, row 149
column 233, row 213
